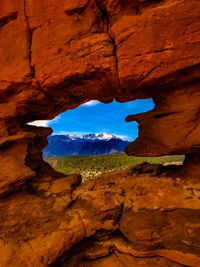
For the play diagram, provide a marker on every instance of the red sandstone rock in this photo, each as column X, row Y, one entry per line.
column 158, row 216
column 170, row 128
column 55, row 55
column 155, row 46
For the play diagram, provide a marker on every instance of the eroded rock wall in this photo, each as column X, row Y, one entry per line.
column 145, row 215
column 56, row 55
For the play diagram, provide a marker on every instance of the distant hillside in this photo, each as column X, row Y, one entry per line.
column 92, row 166
column 90, row 144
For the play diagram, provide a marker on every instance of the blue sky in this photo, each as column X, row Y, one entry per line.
column 96, row 117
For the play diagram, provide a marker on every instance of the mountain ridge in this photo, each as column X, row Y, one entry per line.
column 88, row 144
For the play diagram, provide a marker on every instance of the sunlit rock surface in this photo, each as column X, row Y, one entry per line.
column 56, row 55
column 144, row 215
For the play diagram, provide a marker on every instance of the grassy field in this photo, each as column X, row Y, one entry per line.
column 91, row 166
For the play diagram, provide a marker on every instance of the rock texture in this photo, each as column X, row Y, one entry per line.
column 146, row 215
column 56, row 55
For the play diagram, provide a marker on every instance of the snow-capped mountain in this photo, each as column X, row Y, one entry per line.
column 102, row 136
column 96, row 136
column 88, row 144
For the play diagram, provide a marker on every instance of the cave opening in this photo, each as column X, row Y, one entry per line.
column 95, row 117
column 91, row 138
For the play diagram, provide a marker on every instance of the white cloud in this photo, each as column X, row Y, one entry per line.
column 91, row 103
column 42, row 123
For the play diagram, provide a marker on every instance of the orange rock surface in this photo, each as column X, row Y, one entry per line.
column 56, row 55
column 145, row 215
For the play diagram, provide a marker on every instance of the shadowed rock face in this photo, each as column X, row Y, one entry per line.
column 56, row 55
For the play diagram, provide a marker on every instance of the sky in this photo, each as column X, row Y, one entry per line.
column 96, row 117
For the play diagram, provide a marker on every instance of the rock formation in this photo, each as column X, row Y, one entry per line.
column 56, row 55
